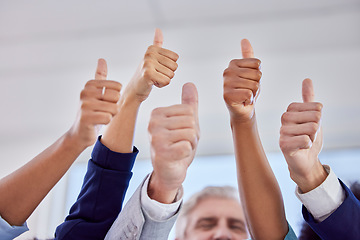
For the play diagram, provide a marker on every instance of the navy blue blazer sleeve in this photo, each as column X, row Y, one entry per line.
column 344, row 223
column 101, row 197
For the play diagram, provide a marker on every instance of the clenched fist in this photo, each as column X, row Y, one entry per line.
column 241, row 84
column 174, row 135
column 301, row 140
column 98, row 102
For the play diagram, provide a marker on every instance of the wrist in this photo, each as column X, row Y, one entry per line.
column 244, row 123
column 73, row 142
column 310, row 180
column 130, row 99
column 161, row 192
column 72, row 139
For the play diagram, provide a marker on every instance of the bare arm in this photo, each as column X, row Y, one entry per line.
column 259, row 191
column 24, row 189
column 157, row 68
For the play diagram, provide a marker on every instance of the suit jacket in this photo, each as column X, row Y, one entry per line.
column 100, row 200
column 344, row 223
column 134, row 223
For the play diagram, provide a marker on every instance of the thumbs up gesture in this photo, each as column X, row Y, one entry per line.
column 157, row 68
column 98, row 102
column 242, row 84
column 301, row 140
column 174, row 135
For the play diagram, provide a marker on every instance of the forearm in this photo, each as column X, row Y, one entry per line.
column 124, row 123
column 25, row 188
column 100, row 200
column 259, row 191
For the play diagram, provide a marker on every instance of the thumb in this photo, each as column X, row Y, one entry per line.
column 158, row 38
column 246, row 49
column 308, row 90
column 189, row 94
column 101, row 70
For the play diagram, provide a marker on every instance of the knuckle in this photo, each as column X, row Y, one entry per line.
column 84, row 106
column 226, row 72
column 114, row 109
column 175, row 66
column 83, row 94
column 317, row 116
column 285, row 118
column 149, row 55
column 89, row 83
column 256, row 86
column 319, row 106
column 282, row 131
column 291, row 106
column 156, row 112
column 233, row 62
column 150, row 48
column 282, row 143
column 314, row 127
column 257, row 62
column 258, row 74
column 176, row 56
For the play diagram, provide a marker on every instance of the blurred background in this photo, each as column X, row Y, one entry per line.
column 49, row 49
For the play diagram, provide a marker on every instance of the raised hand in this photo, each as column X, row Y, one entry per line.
column 157, row 68
column 174, row 135
column 301, row 140
column 98, row 105
column 241, row 84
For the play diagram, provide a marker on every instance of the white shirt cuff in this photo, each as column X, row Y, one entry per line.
column 322, row 201
column 10, row 232
column 156, row 210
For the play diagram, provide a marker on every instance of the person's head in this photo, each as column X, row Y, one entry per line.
column 213, row 213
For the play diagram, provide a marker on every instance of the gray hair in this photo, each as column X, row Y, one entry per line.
column 226, row 192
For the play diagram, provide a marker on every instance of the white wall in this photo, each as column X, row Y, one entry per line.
column 49, row 50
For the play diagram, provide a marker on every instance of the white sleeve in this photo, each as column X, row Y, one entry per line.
column 8, row 232
column 156, row 210
column 322, row 201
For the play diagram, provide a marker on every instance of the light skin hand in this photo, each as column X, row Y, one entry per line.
column 301, row 140
column 98, row 105
column 241, row 84
column 27, row 186
column 157, row 68
column 174, row 135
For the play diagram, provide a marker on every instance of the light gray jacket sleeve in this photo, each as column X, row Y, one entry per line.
column 134, row 223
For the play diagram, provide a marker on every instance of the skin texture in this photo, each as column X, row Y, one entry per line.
column 259, row 191
column 174, row 131
column 216, row 218
column 301, row 140
column 26, row 187
column 174, row 135
column 157, row 68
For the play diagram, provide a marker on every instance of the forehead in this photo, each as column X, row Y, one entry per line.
column 217, row 207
